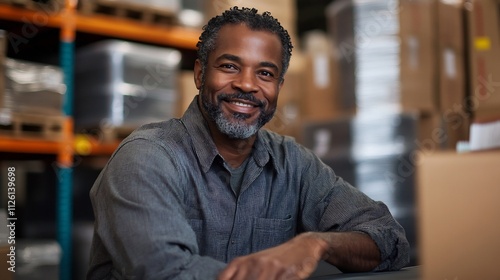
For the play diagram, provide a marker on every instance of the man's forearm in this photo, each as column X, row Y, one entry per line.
column 349, row 251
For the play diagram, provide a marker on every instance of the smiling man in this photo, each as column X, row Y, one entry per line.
column 213, row 196
column 239, row 83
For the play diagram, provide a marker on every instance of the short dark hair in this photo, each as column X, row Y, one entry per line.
column 254, row 21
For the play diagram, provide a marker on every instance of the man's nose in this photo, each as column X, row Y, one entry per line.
column 246, row 81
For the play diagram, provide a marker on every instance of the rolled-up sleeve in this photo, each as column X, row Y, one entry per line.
column 141, row 231
column 332, row 204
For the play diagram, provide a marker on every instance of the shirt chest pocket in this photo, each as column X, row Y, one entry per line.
column 271, row 232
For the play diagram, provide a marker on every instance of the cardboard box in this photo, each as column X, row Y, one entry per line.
column 456, row 126
column 419, row 59
column 340, row 25
column 431, row 135
column 458, row 215
column 442, row 131
column 453, row 91
column 452, row 55
column 320, row 99
column 483, row 19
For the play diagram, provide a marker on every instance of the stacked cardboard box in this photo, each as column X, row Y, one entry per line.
column 419, row 61
column 483, row 20
column 433, row 64
column 452, row 89
column 464, row 48
column 340, row 26
column 321, row 98
column 451, row 54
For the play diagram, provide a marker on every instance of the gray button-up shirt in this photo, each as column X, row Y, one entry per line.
column 164, row 207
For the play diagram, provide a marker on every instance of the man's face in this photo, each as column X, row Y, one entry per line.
column 240, row 87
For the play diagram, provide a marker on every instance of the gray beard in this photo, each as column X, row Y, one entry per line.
column 235, row 128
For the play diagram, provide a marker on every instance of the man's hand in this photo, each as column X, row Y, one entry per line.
column 295, row 259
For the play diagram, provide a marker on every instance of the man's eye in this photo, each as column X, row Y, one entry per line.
column 267, row 74
column 228, row 66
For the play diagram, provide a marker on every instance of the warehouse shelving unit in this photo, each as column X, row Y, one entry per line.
column 70, row 21
column 172, row 36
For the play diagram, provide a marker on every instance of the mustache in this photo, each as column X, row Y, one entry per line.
column 241, row 95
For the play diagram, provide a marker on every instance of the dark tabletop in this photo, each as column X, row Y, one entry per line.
column 408, row 273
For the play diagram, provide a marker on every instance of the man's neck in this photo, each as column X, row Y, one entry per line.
column 234, row 151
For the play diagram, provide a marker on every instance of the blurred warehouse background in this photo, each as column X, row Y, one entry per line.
column 372, row 85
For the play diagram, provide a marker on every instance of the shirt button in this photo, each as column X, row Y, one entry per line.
column 232, row 242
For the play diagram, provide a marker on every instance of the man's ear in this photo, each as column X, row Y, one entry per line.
column 280, row 85
column 197, row 73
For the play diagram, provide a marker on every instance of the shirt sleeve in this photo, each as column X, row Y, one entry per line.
column 139, row 217
column 331, row 204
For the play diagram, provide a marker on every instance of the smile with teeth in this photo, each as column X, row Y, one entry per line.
column 241, row 104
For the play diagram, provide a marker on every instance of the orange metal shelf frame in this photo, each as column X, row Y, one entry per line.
column 173, row 36
column 36, row 146
column 31, row 146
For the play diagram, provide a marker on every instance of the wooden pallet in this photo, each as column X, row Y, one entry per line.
column 31, row 126
column 47, row 6
column 138, row 12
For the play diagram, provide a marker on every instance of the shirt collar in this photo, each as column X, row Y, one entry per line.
column 204, row 146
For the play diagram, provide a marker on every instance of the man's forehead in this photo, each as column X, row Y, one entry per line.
column 233, row 34
column 239, row 28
